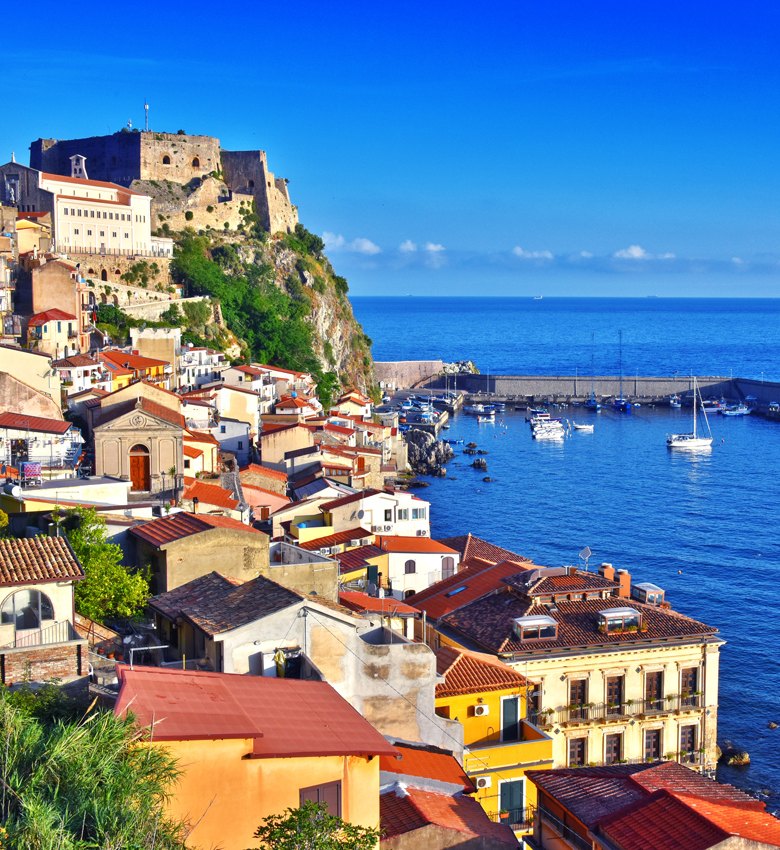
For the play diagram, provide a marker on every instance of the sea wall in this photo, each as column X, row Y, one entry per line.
column 404, row 374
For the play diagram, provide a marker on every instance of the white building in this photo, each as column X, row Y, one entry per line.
column 198, row 366
column 396, row 513
column 80, row 372
column 414, row 563
column 233, row 436
column 35, row 440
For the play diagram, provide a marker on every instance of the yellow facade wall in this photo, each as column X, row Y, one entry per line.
column 225, row 796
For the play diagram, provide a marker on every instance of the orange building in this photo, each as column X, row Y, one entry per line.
column 249, row 747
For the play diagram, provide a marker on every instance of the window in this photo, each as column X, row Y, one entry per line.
column 114, row 234
column 195, row 162
column 64, row 210
column 613, row 748
column 59, row 324
column 105, row 215
column 91, row 213
column 578, row 752
column 652, row 744
column 89, row 233
column 102, row 232
column 241, row 444
column 578, row 696
column 447, row 567
column 26, row 609
column 510, row 719
column 654, row 691
column 402, row 513
column 78, row 213
column 615, row 694
column 410, row 567
column 689, row 686
column 688, row 743
column 389, row 515
column 418, row 513
column 76, row 231
column 536, row 626
column 512, row 800
column 127, row 235
column 166, row 160
column 329, row 794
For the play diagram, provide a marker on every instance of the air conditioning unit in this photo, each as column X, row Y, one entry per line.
column 484, row 782
column 388, row 528
column 421, row 532
column 481, row 710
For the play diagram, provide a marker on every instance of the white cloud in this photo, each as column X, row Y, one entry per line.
column 738, row 261
column 434, row 247
column 360, row 245
column 531, row 255
column 637, row 252
column 586, row 255
column 407, row 247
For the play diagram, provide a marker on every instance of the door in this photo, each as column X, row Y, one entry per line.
column 654, row 691
column 510, row 719
column 511, row 799
column 614, row 694
column 140, row 473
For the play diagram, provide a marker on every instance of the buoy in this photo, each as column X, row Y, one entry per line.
column 679, row 572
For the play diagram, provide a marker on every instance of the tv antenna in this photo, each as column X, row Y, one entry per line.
column 146, row 115
column 585, row 555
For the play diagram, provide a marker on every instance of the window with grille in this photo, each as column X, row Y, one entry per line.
column 578, row 752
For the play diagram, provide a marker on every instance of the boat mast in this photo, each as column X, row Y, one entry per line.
column 620, row 362
column 695, row 390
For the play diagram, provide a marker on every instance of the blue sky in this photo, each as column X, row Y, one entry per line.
column 518, row 148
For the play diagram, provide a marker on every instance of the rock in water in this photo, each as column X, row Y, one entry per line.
column 734, row 755
column 427, row 455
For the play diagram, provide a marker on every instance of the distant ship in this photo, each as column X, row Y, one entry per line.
column 538, row 297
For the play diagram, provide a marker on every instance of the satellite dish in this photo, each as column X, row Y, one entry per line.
column 361, row 514
column 585, row 554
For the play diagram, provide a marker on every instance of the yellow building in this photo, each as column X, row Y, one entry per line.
column 489, row 699
column 252, row 746
column 619, row 679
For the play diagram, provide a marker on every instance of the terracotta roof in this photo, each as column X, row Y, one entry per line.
column 293, row 401
column 471, row 546
column 354, row 559
column 427, row 763
column 664, row 806
column 336, row 539
column 160, row 411
column 201, row 436
column 84, row 182
column 489, row 622
column 210, row 494
column 267, row 368
column 421, row 545
column 21, row 422
column 75, row 360
column 52, row 315
column 165, row 530
column 471, row 672
column 189, row 451
column 357, row 601
column 272, row 427
column 338, row 429
column 216, row 604
column 29, row 560
column 473, row 581
column 189, row 705
column 263, row 470
column 348, row 500
column 130, row 361
column 405, row 810
column 250, row 370
column 547, row 581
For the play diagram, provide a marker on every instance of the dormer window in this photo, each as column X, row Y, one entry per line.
column 620, row 620
column 535, row 627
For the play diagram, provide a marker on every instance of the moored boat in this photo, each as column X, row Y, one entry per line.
column 586, row 429
column 692, row 441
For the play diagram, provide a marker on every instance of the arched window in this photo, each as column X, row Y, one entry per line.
column 408, row 593
column 26, row 609
column 104, row 275
column 447, row 567
column 195, row 162
column 166, row 160
column 410, row 567
column 251, row 184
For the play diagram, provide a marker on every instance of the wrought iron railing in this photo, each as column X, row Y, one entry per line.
column 605, row 712
column 61, row 632
column 566, row 832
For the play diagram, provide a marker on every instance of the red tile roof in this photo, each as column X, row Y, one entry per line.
column 263, row 470
column 210, row 494
column 348, row 500
column 421, row 545
column 355, row 559
column 406, row 810
column 336, row 539
column 21, row 422
column 357, row 601
column 474, row 581
column 165, row 530
column 75, row 360
column 35, row 560
column 52, row 315
column 190, row 451
column 160, row 411
column 489, row 622
column 471, row 672
column 201, row 436
column 470, row 546
column 286, row 718
column 84, row 182
column 427, row 763
column 130, row 361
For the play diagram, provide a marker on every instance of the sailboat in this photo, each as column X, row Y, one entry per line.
column 621, row 404
column 692, row 441
column 591, row 402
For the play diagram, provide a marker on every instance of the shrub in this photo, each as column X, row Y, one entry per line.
column 189, row 215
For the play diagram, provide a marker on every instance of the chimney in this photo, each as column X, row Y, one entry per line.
column 608, row 571
column 624, row 579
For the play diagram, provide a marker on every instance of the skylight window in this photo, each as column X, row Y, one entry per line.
column 619, row 620
column 535, row 627
column 457, row 590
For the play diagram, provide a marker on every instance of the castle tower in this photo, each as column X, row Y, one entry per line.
column 78, row 166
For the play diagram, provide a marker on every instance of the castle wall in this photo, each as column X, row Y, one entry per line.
column 209, row 205
column 247, row 172
column 114, row 158
column 168, row 156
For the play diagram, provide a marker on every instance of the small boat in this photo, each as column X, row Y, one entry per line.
column 692, row 441
column 474, row 409
column 586, row 429
column 592, row 403
column 735, row 410
column 674, row 401
column 549, row 434
column 486, row 418
column 621, row 404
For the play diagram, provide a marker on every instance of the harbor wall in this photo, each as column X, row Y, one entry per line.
column 571, row 386
column 405, row 374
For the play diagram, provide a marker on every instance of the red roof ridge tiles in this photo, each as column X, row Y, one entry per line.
column 426, row 762
column 264, row 470
column 51, row 315
column 336, row 539
column 159, row 532
column 22, row 422
column 470, row 546
column 407, row 543
column 356, row 600
column 210, row 494
column 467, row 672
column 83, row 181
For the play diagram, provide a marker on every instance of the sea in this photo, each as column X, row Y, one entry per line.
column 702, row 526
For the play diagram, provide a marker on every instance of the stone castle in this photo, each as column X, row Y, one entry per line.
column 140, row 159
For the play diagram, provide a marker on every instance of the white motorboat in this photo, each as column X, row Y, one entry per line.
column 693, row 441
column 586, row 429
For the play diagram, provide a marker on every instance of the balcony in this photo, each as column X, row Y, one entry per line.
column 577, row 714
column 61, row 632
column 519, row 819
column 573, row 839
column 530, row 749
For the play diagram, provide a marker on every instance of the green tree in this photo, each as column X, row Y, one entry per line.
column 311, row 828
column 109, row 589
column 198, row 314
column 82, row 784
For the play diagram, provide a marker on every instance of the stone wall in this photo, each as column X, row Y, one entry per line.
column 200, row 204
column 58, row 661
column 18, row 396
column 153, row 310
column 403, row 374
column 169, row 156
column 247, row 172
column 93, row 266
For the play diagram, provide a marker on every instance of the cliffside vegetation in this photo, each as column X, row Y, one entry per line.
column 281, row 298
